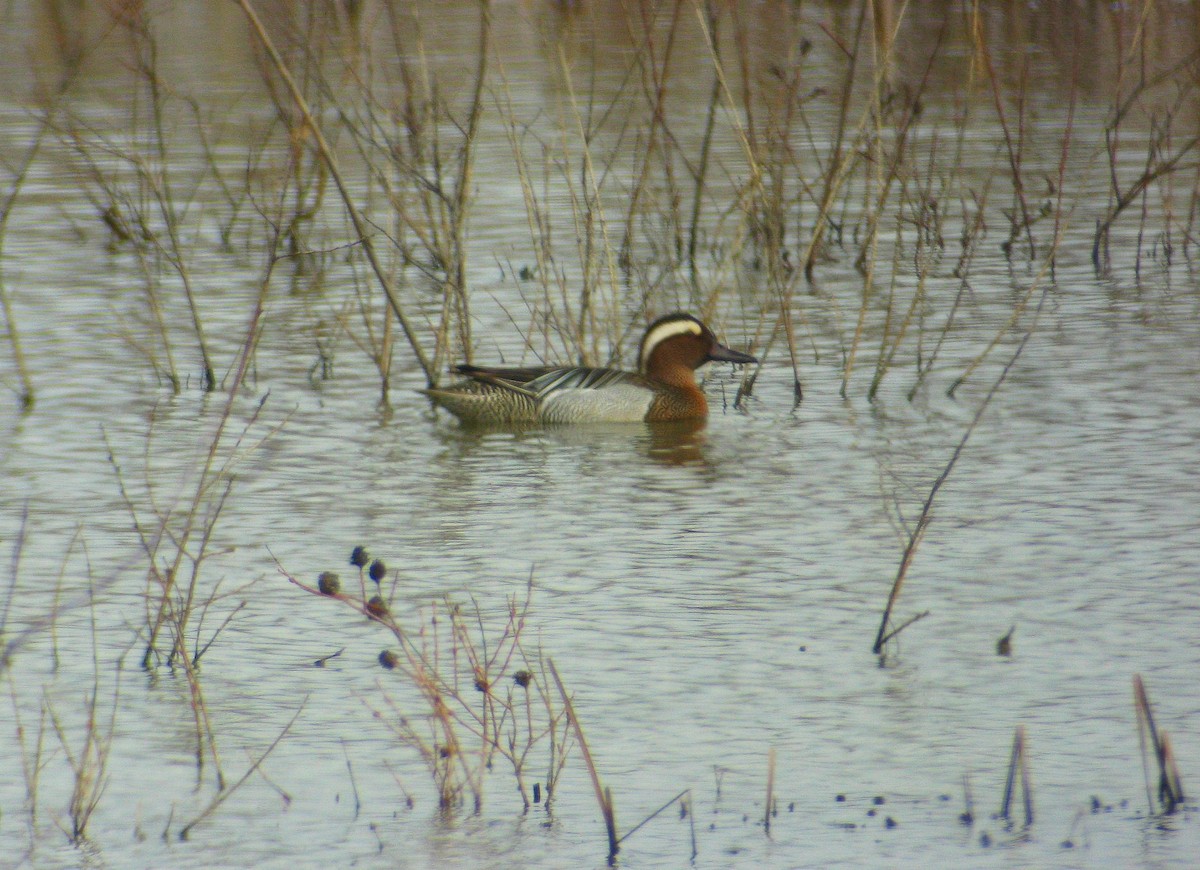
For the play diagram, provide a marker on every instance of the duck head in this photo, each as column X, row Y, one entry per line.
column 680, row 341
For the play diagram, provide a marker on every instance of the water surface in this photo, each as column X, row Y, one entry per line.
column 706, row 595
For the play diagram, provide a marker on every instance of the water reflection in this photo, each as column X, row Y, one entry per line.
column 675, row 443
column 678, row 443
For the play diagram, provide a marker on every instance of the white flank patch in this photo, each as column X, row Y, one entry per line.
column 618, row 403
column 662, row 332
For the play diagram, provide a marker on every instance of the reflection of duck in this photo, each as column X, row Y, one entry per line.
column 679, row 443
column 664, row 387
column 676, row 442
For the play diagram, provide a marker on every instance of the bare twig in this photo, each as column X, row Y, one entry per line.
column 603, row 795
column 225, row 793
column 914, row 538
column 361, row 227
column 1018, row 766
column 1170, row 789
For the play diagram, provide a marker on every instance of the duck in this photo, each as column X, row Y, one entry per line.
column 663, row 388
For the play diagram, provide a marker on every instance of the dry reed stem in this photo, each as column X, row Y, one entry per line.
column 1018, row 766
column 223, row 794
column 88, row 765
column 32, row 761
column 967, row 817
column 450, row 669
column 74, row 59
column 1129, row 64
column 462, row 185
column 89, row 762
column 361, row 227
column 13, row 641
column 882, row 636
column 929, row 240
column 603, row 795
column 706, row 141
column 1170, row 789
column 883, row 176
column 20, row 175
column 210, row 475
column 14, row 572
column 770, row 800
column 914, row 538
column 690, row 808
column 147, row 68
column 677, row 799
column 588, row 216
column 88, row 759
column 1014, row 149
column 177, row 598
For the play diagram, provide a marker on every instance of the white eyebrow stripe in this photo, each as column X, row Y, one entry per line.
column 660, row 333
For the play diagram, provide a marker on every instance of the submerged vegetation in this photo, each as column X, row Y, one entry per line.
column 845, row 186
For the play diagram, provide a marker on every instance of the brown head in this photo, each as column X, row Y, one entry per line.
column 672, row 349
column 676, row 345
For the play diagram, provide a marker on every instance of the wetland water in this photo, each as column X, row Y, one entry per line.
column 707, row 596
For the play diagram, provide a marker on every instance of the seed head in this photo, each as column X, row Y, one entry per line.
column 329, row 583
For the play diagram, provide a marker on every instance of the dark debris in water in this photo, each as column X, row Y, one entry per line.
column 1004, row 644
column 1099, row 806
column 320, row 663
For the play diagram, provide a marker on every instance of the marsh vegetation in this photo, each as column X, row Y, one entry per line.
column 960, row 238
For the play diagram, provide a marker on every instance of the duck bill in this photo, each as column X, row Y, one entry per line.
column 721, row 353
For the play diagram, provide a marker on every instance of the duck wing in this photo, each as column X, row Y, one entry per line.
column 579, row 378
column 577, row 394
column 515, row 379
column 539, row 382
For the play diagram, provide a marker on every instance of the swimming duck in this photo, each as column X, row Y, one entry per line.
column 663, row 388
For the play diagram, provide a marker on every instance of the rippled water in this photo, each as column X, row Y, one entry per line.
column 706, row 595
